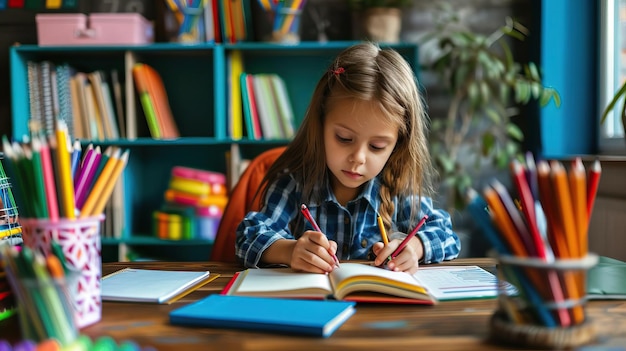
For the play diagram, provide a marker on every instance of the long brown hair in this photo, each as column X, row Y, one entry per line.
column 364, row 72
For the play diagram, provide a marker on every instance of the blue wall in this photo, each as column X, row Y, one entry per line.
column 569, row 32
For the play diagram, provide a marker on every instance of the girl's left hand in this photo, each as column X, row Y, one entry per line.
column 406, row 261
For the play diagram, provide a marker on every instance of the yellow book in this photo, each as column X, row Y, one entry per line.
column 235, row 102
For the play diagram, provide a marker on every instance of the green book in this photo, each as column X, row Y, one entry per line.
column 607, row 280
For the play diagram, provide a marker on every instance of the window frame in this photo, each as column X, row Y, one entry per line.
column 610, row 37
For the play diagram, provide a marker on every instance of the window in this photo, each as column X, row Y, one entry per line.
column 612, row 71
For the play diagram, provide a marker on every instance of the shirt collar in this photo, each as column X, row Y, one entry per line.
column 369, row 193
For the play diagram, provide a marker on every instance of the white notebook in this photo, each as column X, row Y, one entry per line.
column 154, row 286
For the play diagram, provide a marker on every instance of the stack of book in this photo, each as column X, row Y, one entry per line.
column 194, row 203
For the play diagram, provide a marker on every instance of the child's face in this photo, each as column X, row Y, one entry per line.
column 358, row 140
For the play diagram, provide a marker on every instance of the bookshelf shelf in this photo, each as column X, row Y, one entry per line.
column 196, row 80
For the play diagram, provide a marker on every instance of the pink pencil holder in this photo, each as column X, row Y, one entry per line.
column 80, row 241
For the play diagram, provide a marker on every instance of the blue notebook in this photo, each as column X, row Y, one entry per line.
column 309, row 317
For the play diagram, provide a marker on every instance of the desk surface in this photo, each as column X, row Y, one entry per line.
column 454, row 325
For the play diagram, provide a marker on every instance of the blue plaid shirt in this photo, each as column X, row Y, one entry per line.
column 354, row 227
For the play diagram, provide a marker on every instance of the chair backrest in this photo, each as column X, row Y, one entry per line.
column 240, row 202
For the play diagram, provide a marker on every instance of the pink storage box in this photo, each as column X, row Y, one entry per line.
column 95, row 29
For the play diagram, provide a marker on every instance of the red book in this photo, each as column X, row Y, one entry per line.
column 16, row 4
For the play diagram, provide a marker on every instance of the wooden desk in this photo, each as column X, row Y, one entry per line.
column 458, row 325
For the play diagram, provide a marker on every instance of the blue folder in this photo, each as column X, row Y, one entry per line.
column 308, row 317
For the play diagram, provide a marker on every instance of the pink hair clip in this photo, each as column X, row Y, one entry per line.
column 338, row 71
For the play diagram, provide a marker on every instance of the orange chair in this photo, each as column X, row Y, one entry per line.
column 240, row 202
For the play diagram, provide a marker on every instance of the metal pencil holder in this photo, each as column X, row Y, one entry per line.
column 10, row 229
column 548, row 307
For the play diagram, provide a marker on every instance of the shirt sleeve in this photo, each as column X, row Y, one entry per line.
column 439, row 240
column 258, row 230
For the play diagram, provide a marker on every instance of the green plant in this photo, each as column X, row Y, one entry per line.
column 616, row 98
column 485, row 85
column 359, row 5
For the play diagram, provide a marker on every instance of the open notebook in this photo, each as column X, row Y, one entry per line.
column 366, row 283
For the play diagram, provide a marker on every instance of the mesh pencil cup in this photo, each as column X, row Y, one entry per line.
column 548, row 308
column 286, row 28
column 10, row 230
column 80, row 242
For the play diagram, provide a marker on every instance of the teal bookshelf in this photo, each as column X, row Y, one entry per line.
column 196, row 80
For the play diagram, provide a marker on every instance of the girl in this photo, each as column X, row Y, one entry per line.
column 361, row 151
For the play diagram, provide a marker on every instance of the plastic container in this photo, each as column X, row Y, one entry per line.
column 95, row 29
column 208, row 221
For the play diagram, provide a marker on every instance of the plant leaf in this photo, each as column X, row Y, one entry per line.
column 613, row 102
column 514, row 132
column 488, row 143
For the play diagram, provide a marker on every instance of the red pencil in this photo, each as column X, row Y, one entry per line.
column 528, row 207
column 408, row 237
column 307, row 215
column 592, row 186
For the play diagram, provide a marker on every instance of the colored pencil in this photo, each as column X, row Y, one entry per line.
column 383, row 231
column 578, row 189
column 108, row 188
column 528, row 207
column 564, row 208
column 408, row 237
column 592, row 187
column 307, row 214
column 87, row 209
column 86, row 176
column 48, row 174
column 64, row 172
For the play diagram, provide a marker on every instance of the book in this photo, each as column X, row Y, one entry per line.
column 267, row 111
column 147, row 102
column 308, row 317
column 103, row 105
column 365, row 283
column 607, row 280
column 235, row 109
column 119, row 104
column 251, row 118
column 158, row 94
column 285, row 111
column 129, row 90
column 152, row 286
column 254, row 114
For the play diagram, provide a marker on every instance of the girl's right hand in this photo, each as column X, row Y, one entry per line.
column 313, row 253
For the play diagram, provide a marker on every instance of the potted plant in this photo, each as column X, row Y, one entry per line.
column 381, row 20
column 619, row 95
column 485, row 85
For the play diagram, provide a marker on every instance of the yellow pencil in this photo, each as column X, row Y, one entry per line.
column 578, row 189
column 383, row 232
column 64, row 170
column 96, row 191
column 289, row 17
column 108, row 188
